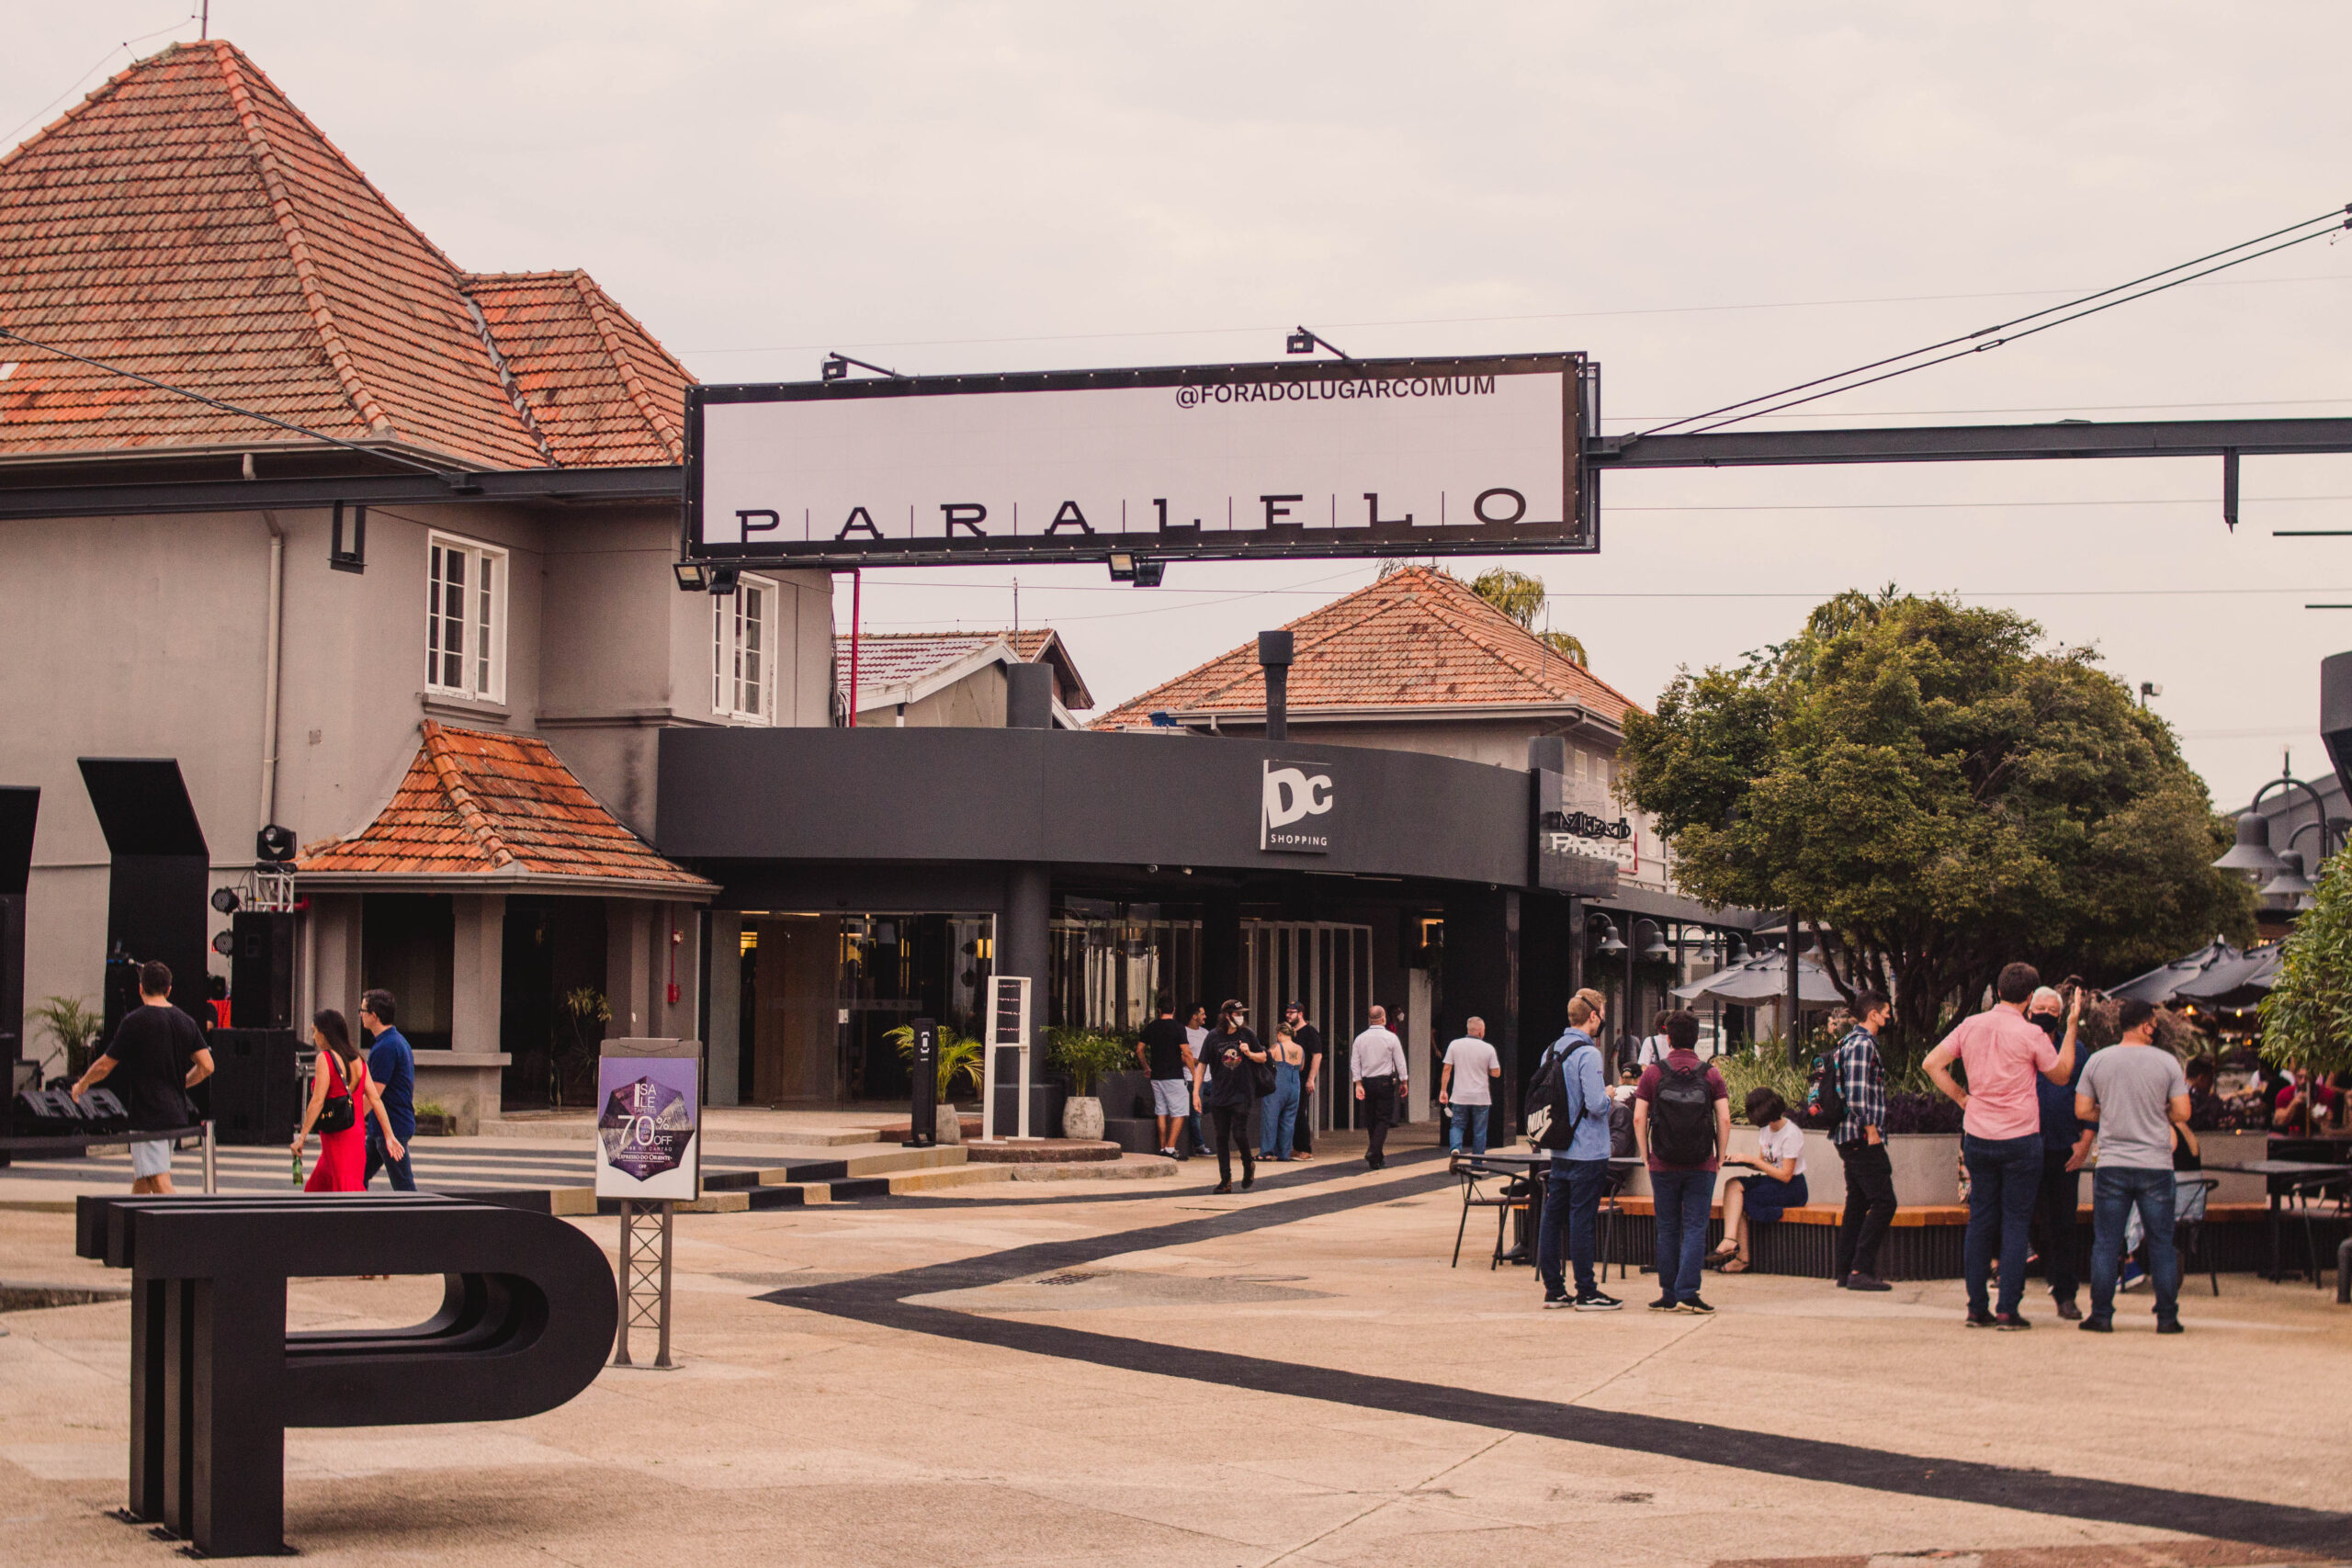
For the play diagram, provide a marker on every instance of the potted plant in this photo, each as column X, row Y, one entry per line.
column 583, row 1015
column 958, row 1058
column 1084, row 1055
column 75, row 1028
column 434, row 1121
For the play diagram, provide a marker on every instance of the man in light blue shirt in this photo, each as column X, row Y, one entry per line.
column 1579, row 1172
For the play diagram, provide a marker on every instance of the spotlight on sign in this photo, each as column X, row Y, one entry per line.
column 693, row 577
column 724, row 580
column 1141, row 571
column 836, row 368
column 1300, row 342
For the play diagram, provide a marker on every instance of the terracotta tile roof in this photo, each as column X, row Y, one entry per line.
column 187, row 223
column 596, row 386
column 499, row 808
column 1418, row 638
column 898, row 659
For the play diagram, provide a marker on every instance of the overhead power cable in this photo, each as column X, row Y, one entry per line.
column 1983, row 338
column 436, row 471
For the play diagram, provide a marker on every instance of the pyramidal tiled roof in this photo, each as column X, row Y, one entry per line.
column 1418, row 638
column 499, row 808
column 187, row 223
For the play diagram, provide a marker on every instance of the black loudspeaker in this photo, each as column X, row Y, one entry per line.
column 256, row 1092
column 261, row 972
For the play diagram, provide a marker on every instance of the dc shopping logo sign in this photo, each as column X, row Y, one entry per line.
column 1295, row 809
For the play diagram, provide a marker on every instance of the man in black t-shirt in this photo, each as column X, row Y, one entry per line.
column 161, row 1055
column 1166, row 1056
column 1310, row 1040
column 1222, row 1087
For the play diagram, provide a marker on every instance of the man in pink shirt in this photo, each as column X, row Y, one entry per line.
column 2001, row 1133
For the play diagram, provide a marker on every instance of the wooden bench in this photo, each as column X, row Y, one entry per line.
column 1926, row 1242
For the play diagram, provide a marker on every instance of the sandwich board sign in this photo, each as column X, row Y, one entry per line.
column 649, row 1120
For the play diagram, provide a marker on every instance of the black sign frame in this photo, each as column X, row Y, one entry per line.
column 1580, row 407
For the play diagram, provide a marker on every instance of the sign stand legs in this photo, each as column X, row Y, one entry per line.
column 645, row 1279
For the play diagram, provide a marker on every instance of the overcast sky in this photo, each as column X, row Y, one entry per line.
column 1713, row 201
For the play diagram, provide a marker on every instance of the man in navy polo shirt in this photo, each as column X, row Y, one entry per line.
column 393, row 1066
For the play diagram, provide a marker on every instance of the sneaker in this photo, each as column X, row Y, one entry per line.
column 1980, row 1320
column 2010, row 1321
column 2097, row 1322
column 1559, row 1301
column 2133, row 1275
column 2069, row 1312
column 1594, row 1300
column 1664, row 1303
column 2169, row 1326
column 1221, row 1187
column 1861, row 1281
column 1695, row 1304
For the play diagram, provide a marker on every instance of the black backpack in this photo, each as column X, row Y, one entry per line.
column 1682, row 1117
column 1825, row 1100
column 1549, row 1125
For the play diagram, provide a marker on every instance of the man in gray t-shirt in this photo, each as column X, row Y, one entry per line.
column 2134, row 1093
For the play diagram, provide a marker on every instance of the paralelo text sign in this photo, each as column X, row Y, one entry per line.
column 1325, row 457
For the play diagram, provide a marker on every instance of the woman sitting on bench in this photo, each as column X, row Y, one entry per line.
column 1773, row 1184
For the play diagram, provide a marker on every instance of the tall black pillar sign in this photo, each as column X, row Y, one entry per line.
column 922, row 1126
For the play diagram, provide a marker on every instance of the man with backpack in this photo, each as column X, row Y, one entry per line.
column 1850, row 1099
column 1568, row 1114
column 1682, row 1121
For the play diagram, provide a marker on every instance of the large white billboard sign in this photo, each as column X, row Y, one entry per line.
column 1329, row 457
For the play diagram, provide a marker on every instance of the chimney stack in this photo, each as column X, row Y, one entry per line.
column 1273, row 656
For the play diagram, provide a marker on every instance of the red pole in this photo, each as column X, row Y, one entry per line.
column 856, row 583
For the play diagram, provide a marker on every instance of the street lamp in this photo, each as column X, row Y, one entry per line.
column 2290, row 889
column 1649, row 942
column 1607, row 946
column 2252, row 856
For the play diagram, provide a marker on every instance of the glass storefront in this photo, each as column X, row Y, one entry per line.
column 1109, row 960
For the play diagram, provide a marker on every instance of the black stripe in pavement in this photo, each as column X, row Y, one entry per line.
column 1283, row 1177
column 882, row 1300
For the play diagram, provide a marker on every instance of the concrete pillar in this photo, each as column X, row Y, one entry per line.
column 722, row 1060
column 1481, row 977
column 629, row 966
column 332, row 957
column 1022, row 943
column 478, row 973
column 678, row 942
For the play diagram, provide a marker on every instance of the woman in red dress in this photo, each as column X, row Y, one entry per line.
column 339, row 1086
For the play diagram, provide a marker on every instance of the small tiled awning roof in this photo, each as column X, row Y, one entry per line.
column 481, row 811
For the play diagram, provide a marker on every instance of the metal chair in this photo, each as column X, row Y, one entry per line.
column 2189, row 1196
column 1512, row 1195
column 2333, row 1194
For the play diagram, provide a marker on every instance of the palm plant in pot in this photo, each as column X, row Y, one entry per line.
column 1084, row 1055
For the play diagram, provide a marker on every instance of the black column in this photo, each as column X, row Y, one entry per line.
column 1481, row 976
column 1221, row 955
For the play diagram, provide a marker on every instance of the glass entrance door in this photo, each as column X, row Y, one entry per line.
column 1326, row 967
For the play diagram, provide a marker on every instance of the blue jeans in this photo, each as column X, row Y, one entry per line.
column 1475, row 1116
column 2114, row 1192
column 1277, row 1113
column 2003, row 1177
column 379, row 1158
column 1682, row 1199
column 1571, row 1204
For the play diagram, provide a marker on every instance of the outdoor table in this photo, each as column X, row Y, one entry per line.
column 1534, row 1164
column 2281, row 1176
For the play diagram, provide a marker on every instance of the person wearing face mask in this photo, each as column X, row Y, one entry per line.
column 2065, row 1149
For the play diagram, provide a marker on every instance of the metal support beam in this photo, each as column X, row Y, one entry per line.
column 645, row 1279
column 663, row 484
column 1973, row 443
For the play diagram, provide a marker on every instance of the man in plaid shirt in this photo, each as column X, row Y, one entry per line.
column 1861, row 1148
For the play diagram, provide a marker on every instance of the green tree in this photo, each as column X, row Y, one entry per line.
column 2307, row 1017
column 1522, row 598
column 1935, row 797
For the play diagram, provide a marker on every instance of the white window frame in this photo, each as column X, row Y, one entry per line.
column 727, row 651
column 479, row 641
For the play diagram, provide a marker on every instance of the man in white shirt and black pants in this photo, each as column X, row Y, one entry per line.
column 1376, row 1062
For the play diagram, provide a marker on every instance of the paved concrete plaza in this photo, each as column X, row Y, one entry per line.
column 1141, row 1373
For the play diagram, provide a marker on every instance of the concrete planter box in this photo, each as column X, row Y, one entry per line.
column 465, row 1082
column 432, row 1124
column 1926, row 1167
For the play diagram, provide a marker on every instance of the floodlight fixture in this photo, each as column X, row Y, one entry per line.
column 724, row 580
column 693, row 576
